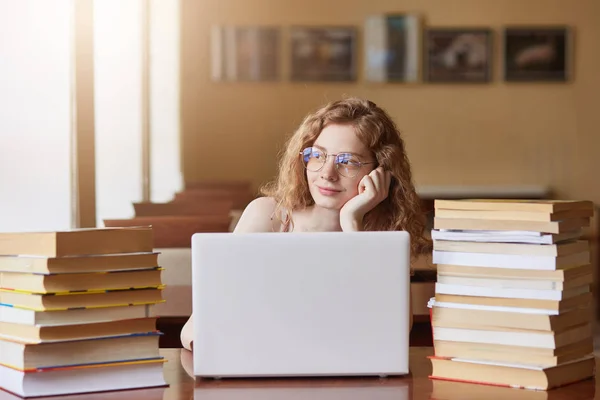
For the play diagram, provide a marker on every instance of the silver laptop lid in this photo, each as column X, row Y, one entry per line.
column 300, row 304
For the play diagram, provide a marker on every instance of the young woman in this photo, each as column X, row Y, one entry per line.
column 344, row 169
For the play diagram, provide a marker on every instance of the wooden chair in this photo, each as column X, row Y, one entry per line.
column 238, row 198
column 175, row 231
column 241, row 186
column 186, row 207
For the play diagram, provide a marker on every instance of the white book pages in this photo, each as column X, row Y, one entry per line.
column 521, row 366
column 511, row 261
column 537, row 311
column 491, row 232
column 530, row 237
column 543, row 340
column 482, row 291
column 501, row 283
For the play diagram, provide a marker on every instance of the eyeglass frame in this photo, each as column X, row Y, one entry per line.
column 337, row 164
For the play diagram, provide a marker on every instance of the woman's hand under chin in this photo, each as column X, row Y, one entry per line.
column 372, row 190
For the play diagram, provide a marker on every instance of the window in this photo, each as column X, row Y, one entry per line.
column 35, row 115
column 118, row 89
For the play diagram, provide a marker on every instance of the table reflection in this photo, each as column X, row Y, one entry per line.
column 347, row 388
column 416, row 386
column 322, row 392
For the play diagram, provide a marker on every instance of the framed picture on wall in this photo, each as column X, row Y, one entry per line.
column 392, row 45
column 323, row 54
column 536, row 54
column 458, row 55
column 245, row 53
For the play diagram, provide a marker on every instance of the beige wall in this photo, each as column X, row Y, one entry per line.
column 456, row 134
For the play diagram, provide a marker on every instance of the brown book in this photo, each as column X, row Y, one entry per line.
column 60, row 283
column 78, row 264
column 36, row 357
column 507, row 225
column 48, row 334
column 521, row 377
column 541, row 216
column 556, row 250
column 560, row 275
column 47, row 302
column 77, row 242
column 543, row 206
column 508, row 261
column 453, row 390
column 517, row 283
column 515, row 337
column 583, row 300
column 23, row 316
column 486, row 319
column 506, row 236
column 514, row 354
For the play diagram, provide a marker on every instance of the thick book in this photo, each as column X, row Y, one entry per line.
column 88, row 299
column 583, row 300
column 545, row 206
column 550, row 250
column 78, row 242
column 24, row 316
column 455, row 317
column 49, row 334
column 508, row 236
column 511, row 293
column 84, row 379
column 60, row 283
column 514, row 354
column 566, row 277
column 543, row 216
column 564, row 226
column 35, row 357
column 527, row 284
column 515, row 337
column 78, row 264
column 510, row 261
column 454, row 390
column 513, row 375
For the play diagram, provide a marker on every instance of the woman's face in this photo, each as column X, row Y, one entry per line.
column 335, row 182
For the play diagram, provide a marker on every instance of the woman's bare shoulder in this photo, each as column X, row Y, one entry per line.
column 259, row 216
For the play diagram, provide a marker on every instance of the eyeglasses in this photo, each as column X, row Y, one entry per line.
column 347, row 164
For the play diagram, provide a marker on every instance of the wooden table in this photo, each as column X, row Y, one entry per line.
column 416, row 386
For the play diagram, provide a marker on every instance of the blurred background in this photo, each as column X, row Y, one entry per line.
column 173, row 112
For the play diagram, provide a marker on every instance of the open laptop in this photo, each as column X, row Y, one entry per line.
column 300, row 304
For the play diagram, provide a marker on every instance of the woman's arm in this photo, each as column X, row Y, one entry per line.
column 187, row 334
column 257, row 217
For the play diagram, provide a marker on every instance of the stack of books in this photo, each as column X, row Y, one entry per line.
column 74, row 314
column 513, row 302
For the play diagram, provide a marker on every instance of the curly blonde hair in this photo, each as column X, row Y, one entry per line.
column 401, row 210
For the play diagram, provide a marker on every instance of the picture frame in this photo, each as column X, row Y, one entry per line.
column 323, row 53
column 537, row 54
column 392, row 48
column 458, row 55
column 245, row 53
